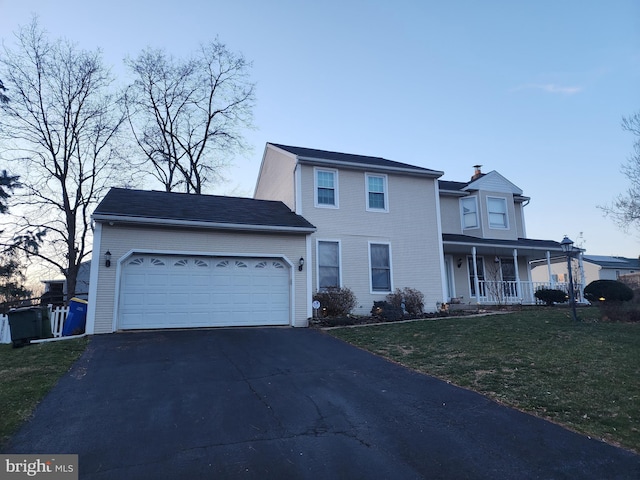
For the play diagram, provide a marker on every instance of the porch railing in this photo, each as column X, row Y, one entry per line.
column 512, row 292
column 57, row 315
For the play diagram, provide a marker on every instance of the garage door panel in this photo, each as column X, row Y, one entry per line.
column 164, row 291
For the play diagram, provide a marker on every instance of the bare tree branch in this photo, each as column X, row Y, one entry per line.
column 187, row 115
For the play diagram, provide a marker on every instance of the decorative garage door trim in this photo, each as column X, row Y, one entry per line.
column 166, row 289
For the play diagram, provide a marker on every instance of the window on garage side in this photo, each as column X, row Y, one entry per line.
column 328, row 264
column 326, row 188
column 380, row 262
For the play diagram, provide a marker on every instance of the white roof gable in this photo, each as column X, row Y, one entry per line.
column 494, row 182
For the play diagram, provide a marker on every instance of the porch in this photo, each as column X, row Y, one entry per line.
column 519, row 292
column 481, row 271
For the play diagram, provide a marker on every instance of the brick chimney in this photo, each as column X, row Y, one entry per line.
column 477, row 172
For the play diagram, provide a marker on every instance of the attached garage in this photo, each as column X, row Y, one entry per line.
column 188, row 261
column 174, row 291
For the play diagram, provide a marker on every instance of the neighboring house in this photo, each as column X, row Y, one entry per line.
column 378, row 225
column 595, row 267
column 181, row 260
column 55, row 291
column 486, row 250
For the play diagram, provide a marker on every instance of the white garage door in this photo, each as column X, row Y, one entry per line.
column 166, row 291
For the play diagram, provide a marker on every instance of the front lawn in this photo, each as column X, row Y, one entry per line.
column 27, row 374
column 583, row 375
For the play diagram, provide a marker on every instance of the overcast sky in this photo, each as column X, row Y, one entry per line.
column 535, row 90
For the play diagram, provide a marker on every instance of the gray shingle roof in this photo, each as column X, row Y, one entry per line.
column 520, row 243
column 202, row 209
column 351, row 159
column 613, row 262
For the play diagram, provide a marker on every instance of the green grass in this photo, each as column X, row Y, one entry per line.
column 583, row 375
column 27, row 374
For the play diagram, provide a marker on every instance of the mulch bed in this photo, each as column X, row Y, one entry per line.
column 328, row 322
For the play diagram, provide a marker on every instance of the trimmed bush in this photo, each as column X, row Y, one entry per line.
column 386, row 311
column 336, row 301
column 412, row 298
column 550, row 296
column 608, row 291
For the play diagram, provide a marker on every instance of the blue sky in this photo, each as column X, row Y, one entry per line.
column 535, row 90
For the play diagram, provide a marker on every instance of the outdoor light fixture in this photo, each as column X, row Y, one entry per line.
column 459, row 262
column 107, row 259
column 567, row 248
column 300, row 264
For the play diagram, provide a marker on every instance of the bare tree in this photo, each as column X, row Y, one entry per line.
column 187, row 115
column 625, row 210
column 59, row 127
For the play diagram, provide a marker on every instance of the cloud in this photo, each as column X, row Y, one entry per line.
column 549, row 88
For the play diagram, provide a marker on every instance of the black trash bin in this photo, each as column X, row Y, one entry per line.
column 28, row 323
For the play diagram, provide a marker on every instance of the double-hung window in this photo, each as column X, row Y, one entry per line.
column 380, row 262
column 469, row 211
column 497, row 209
column 376, row 192
column 328, row 264
column 326, row 188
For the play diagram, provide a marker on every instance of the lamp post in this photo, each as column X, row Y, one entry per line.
column 567, row 248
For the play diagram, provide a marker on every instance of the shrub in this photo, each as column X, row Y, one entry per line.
column 386, row 311
column 550, row 296
column 336, row 301
column 412, row 298
column 608, row 291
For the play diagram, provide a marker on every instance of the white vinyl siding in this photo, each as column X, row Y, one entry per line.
column 326, row 188
column 328, row 264
column 469, row 212
column 497, row 211
column 376, row 187
column 380, row 267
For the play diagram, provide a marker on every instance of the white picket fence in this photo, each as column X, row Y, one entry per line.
column 57, row 315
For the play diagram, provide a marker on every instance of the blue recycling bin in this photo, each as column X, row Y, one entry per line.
column 76, row 319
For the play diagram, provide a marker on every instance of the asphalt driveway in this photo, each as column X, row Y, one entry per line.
column 289, row 403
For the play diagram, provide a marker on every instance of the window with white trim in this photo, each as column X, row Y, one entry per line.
column 376, row 192
column 380, row 262
column 469, row 212
column 497, row 211
column 326, row 188
column 328, row 264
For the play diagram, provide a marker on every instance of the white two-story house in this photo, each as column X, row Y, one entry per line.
column 318, row 219
column 378, row 223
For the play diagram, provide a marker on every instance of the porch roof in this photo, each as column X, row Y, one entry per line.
column 527, row 247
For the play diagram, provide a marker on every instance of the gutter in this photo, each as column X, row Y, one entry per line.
column 168, row 222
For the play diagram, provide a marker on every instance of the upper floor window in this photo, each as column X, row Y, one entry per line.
column 376, row 192
column 469, row 208
column 328, row 265
column 497, row 208
column 326, row 188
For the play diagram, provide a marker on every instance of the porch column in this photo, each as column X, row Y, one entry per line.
column 515, row 264
column 476, row 283
column 582, row 277
column 553, row 284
